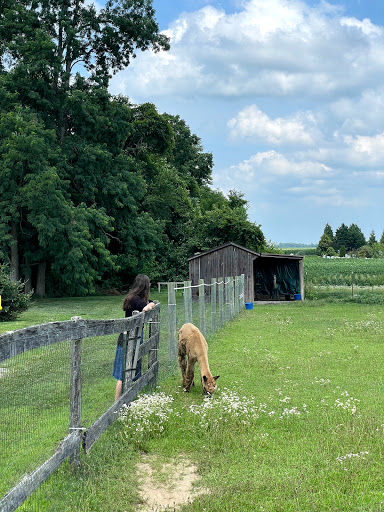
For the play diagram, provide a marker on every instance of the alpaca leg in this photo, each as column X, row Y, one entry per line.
column 190, row 373
column 182, row 359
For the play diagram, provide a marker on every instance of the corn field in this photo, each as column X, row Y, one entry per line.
column 343, row 272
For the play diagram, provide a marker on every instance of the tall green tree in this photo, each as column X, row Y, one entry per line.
column 329, row 232
column 324, row 244
column 45, row 42
column 227, row 221
column 342, row 237
column 372, row 239
column 356, row 237
column 66, row 173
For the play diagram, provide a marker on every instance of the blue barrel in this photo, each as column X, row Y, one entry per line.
column 249, row 305
column 297, row 296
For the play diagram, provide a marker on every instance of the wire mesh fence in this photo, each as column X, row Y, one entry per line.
column 207, row 305
column 40, row 402
column 35, row 384
column 34, row 405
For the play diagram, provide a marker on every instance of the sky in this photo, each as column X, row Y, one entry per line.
column 287, row 95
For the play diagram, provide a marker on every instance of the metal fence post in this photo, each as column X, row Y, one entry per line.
column 188, row 302
column 221, row 300
column 202, row 306
column 172, row 321
column 213, row 304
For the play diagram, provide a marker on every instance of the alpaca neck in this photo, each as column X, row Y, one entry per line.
column 204, row 366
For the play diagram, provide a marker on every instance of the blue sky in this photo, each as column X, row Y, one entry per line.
column 288, row 95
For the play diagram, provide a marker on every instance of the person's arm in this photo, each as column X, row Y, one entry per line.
column 149, row 306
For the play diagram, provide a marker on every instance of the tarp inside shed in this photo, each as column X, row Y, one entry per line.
column 287, row 276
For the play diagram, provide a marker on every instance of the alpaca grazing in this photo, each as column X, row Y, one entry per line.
column 192, row 347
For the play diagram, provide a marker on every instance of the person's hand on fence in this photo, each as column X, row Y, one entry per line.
column 149, row 306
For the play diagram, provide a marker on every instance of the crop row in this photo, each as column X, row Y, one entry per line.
column 344, row 272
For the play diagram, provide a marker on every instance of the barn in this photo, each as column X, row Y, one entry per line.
column 267, row 276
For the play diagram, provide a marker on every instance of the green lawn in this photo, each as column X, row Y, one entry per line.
column 296, row 425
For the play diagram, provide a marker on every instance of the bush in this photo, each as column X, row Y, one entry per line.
column 13, row 300
column 331, row 252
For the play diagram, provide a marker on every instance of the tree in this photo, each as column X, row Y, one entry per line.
column 324, row 244
column 372, row 239
column 329, row 232
column 223, row 224
column 188, row 156
column 356, row 237
column 331, row 252
column 365, row 251
column 46, row 40
column 68, row 187
column 342, row 237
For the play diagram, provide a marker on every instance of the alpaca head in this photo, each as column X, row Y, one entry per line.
column 209, row 384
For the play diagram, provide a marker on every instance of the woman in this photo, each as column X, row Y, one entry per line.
column 137, row 299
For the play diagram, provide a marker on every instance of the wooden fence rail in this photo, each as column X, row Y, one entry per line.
column 75, row 330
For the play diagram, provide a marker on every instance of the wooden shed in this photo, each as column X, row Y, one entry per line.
column 267, row 276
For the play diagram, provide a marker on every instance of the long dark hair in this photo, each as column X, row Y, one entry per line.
column 140, row 288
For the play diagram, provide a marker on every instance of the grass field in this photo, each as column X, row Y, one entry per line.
column 296, row 425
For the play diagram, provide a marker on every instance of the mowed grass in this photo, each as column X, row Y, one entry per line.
column 296, row 425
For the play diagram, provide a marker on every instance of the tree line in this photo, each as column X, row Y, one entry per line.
column 93, row 188
column 350, row 240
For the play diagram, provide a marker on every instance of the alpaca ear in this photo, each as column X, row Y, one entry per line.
column 205, row 378
column 215, row 378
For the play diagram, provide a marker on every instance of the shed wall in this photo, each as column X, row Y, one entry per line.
column 226, row 262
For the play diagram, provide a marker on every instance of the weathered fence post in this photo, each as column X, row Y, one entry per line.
column 75, row 393
column 172, row 321
column 202, row 306
column 221, row 300
column 153, row 355
column 188, row 301
column 135, row 346
column 213, row 304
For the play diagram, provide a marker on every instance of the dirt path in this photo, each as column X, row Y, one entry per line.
column 166, row 485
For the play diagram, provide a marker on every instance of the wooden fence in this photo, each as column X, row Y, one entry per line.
column 23, row 340
column 224, row 300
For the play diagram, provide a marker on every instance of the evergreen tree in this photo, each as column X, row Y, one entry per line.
column 342, row 237
column 324, row 244
column 372, row 239
column 356, row 237
column 329, row 232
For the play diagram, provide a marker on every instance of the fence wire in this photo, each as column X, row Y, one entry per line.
column 34, row 405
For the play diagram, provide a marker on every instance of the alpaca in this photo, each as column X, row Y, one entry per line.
column 192, row 347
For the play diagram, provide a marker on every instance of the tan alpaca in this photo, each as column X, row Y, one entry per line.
column 192, row 347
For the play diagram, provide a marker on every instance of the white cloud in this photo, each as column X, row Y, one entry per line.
column 290, row 98
column 251, row 123
column 278, row 47
column 369, row 149
column 273, row 168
